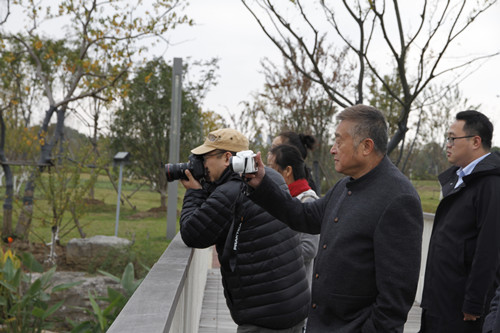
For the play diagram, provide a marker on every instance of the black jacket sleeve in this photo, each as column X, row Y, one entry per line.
column 205, row 218
column 304, row 217
column 485, row 262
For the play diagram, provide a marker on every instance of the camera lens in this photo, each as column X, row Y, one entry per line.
column 175, row 171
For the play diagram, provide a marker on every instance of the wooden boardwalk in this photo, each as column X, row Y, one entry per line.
column 215, row 317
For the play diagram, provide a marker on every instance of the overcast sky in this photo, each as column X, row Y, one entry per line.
column 225, row 29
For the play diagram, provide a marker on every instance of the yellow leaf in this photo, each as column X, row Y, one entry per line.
column 38, row 44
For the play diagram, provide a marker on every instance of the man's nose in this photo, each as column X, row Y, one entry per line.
column 333, row 150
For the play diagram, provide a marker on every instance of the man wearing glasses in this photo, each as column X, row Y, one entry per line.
column 261, row 262
column 463, row 259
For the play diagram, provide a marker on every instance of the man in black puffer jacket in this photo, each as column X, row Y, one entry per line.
column 262, row 269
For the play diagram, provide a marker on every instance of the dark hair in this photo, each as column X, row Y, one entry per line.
column 477, row 123
column 288, row 155
column 370, row 123
column 301, row 141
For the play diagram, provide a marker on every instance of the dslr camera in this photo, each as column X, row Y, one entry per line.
column 244, row 162
column 175, row 171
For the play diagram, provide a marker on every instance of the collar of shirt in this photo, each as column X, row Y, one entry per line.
column 462, row 172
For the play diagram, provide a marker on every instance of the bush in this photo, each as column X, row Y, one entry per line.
column 23, row 303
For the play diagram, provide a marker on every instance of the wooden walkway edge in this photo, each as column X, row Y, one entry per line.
column 215, row 317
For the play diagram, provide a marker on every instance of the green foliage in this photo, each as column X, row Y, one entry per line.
column 65, row 190
column 24, row 303
column 115, row 300
column 429, row 192
column 142, row 125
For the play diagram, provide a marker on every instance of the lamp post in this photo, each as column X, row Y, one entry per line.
column 175, row 134
column 120, row 158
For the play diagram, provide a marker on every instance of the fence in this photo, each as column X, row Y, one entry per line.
column 170, row 297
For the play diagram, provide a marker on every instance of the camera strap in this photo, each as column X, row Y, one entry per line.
column 234, row 231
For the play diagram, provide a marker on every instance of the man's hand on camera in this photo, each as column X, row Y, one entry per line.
column 254, row 179
column 191, row 182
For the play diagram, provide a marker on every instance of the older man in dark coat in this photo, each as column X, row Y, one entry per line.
column 464, row 249
column 370, row 224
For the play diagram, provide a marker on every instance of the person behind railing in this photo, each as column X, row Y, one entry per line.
column 262, row 269
column 463, row 265
column 370, row 223
column 288, row 161
column 303, row 142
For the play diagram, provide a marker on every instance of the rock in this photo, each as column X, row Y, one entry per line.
column 81, row 252
column 76, row 298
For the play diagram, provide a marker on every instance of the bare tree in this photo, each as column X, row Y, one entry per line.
column 290, row 101
column 381, row 38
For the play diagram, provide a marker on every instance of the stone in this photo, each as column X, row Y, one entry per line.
column 81, row 252
column 76, row 298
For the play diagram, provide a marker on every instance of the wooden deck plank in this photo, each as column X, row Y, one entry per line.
column 215, row 317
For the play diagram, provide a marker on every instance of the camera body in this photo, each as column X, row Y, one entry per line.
column 195, row 165
column 244, row 162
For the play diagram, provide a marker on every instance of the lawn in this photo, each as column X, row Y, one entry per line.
column 144, row 225
column 429, row 191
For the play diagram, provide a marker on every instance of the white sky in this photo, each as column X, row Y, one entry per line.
column 225, row 29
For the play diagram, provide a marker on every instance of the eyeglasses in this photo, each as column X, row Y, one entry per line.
column 451, row 139
column 219, row 153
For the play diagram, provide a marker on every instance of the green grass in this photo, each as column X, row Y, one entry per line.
column 147, row 232
column 429, row 191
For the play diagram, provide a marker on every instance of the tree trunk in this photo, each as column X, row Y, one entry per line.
column 9, row 194
column 24, row 222
column 163, row 200
column 9, row 184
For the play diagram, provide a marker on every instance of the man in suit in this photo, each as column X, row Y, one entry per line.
column 464, row 249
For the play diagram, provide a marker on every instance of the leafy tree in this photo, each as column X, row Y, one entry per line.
column 413, row 43
column 142, row 125
column 65, row 189
column 101, row 41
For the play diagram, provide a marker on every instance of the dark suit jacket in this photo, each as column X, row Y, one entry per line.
column 464, row 249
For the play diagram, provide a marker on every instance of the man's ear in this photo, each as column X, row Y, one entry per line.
column 367, row 146
column 227, row 158
column 477, row 142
